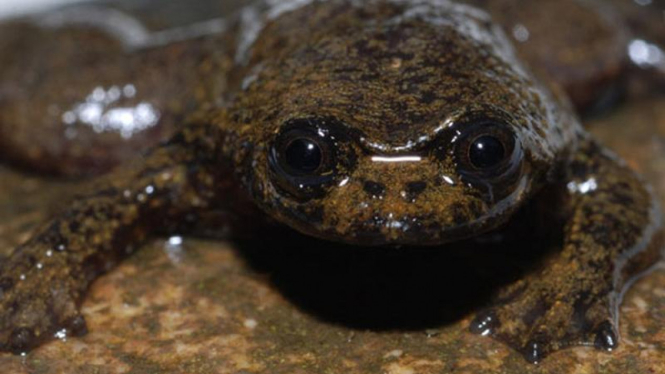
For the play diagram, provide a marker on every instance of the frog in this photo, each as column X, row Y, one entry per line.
column 381, row 123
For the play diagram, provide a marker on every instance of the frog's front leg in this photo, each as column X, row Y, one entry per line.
column 612, row 234
column 43, row 282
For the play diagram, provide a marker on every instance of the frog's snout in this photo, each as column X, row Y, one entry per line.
column 414, row 189
column 374, row 189
column 410, row 191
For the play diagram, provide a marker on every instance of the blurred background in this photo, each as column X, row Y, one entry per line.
column 10, row 8
column 154, row 14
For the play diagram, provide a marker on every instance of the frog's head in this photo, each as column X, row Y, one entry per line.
column 401, row 131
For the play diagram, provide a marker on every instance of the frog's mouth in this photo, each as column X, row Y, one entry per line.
column 388, row 231
column 432, row 224
column 409, row 231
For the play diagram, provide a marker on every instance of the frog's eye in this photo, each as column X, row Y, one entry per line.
column 303, row 158
column 487, row 150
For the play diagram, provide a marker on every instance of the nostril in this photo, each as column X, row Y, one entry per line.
column 413, row 189
column 374, row 189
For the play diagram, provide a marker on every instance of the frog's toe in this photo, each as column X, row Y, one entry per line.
column 20, row 340
column 485, row 323
column 607, row 338
column 541, row 320
column 77, row 326
column 26, row 338
column 604, row 338
column 20, row 335
column 31, row 314
column 533, row 351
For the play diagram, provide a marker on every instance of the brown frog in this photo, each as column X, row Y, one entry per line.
column 383, row 123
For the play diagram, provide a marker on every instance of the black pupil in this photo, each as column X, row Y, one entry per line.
column 303, row 155
column 486, row 152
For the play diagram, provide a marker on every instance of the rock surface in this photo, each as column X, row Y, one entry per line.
column 207, row 307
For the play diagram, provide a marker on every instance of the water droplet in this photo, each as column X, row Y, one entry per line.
column 129, row 91
column 62, row 335
column 484, row 324
column 448, row 180
column 606, row 338
column 521, row 33
column 251, row 323
column 69, row 118
column 533, row 352
column 113, row 94
column 174, row 249
column 175, row 240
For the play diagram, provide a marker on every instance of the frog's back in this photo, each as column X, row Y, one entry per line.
column 397, row 71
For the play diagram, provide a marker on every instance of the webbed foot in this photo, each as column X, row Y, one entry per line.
column 38, row 303
column 612, row 235
column 540, row 316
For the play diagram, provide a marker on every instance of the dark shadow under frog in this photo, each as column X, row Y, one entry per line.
column 389, row 124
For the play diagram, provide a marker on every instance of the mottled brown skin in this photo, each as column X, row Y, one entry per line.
column 395, row 93
column 581, row 45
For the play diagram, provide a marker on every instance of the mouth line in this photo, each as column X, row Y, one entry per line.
column 390, row 230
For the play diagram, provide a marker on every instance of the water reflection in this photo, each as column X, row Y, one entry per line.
column 583, row 188
column 174, row 249
column 521, row 33
column 100, row 111
column 646, row 55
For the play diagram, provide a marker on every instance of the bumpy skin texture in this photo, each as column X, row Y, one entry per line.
column 586, row 54
column 396, row 93
column 612, row 230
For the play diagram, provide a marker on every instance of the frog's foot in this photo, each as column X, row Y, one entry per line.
column 36, row 306
column 539, row 316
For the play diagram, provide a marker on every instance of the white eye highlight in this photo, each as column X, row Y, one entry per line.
column 397, row 159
